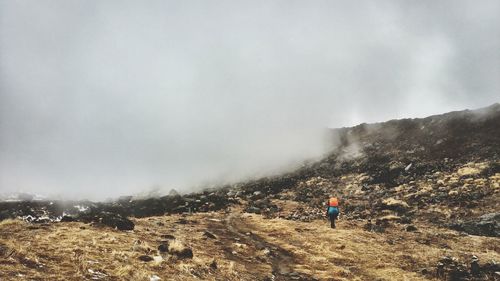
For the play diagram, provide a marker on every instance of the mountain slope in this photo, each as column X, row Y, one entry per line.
column 419, row 201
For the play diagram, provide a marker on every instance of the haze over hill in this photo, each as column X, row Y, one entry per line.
column 111, row 98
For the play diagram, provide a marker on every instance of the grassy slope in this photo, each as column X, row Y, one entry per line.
column 247, row 247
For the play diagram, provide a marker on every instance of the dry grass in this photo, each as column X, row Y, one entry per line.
column 349, row 253
column 75, row 251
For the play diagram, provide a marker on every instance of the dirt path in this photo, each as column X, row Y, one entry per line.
column 281, row 261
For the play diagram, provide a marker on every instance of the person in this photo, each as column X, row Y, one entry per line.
column 332, row 210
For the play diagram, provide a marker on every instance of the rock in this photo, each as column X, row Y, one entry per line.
column 163, row 248
column 475, row 269
column 213, row 264
column 253, row 209
column 117, row 221
column 407, row 168
column 451, row 268
column 410, row 228
column 145, row 258
column 67, row 219
column 178, row 249
column 262, row 206
column 209, row 235
column 185, row 253
column 379, row 226
column 258, row 195
column 485, row 225
column 491, row 268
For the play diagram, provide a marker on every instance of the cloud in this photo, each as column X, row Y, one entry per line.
column 108, row 98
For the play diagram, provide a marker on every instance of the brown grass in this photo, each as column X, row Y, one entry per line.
column 75, row 251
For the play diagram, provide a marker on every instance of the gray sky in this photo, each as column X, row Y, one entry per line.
column 105, row 98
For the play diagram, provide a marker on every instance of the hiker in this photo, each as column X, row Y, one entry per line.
column 333, row 210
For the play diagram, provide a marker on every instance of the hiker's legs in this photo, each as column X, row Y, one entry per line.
column 332, row 221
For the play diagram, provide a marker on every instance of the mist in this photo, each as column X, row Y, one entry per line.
column 107, row 98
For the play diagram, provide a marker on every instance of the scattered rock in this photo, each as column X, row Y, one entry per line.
column 451, row 268
column 145, row 258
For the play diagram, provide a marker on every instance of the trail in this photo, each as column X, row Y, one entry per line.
column 235, row 228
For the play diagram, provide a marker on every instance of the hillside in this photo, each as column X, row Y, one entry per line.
column 419, row 201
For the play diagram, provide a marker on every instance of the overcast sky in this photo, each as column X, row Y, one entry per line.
column 106, row 98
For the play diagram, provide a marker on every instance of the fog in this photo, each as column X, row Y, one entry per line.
column 106, row 98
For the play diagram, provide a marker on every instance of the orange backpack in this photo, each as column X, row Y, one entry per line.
column 333, row 202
